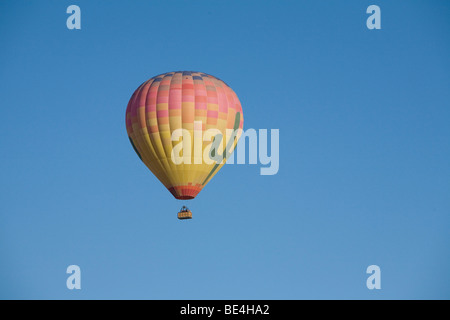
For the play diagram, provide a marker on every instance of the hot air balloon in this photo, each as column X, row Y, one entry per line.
column 184, row 125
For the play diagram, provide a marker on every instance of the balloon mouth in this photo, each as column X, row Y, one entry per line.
column 184, row 197
column 185, row 192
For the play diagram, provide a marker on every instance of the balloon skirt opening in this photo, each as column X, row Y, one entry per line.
column 184, row 197
column 185, row 192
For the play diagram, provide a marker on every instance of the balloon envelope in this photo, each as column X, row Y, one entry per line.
column 180, row 124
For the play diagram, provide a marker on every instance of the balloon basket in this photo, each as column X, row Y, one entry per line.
column 184, row 214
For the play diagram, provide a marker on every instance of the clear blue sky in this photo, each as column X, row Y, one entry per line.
column 364, row 151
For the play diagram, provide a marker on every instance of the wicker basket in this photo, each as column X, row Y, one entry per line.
column 182, row 215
